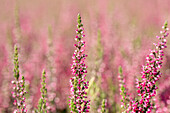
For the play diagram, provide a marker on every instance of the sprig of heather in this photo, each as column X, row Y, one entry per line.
column 150, row 74
column 78, row 102
column 42, row 104
column 125, row 99
column 19, row 86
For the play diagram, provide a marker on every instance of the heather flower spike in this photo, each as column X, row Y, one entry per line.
column 146, row 88
column 123, row 91
column 19, row 86
column 42, row 106
column 78, row 102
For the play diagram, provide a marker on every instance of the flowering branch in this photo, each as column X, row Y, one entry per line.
column 125, row 99
column 150, row 74
column 78, row 83
column 42, row 107
column 19, row 86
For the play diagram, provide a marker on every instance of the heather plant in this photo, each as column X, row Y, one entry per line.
column 19, row 86
column 125, row 100
column 78, row 102
column 146, row 87
column 42, row 104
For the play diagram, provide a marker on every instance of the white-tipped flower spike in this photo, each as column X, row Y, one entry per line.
column 125, row 99
column 150, row 75
column 78, row 102
column 19, row 86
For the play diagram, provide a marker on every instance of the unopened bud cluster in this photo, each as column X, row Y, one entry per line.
column 103, row 110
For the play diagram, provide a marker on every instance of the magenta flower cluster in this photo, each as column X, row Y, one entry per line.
column 150, row 75
column 18, row 94
column 78, row 102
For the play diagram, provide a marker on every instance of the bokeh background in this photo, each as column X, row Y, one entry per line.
column 118, row 32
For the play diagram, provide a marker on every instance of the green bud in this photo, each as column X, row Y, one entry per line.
column 166, row 24
column 120, row 70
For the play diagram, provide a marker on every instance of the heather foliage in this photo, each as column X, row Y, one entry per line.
column 146, row 87
column 38, row 35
